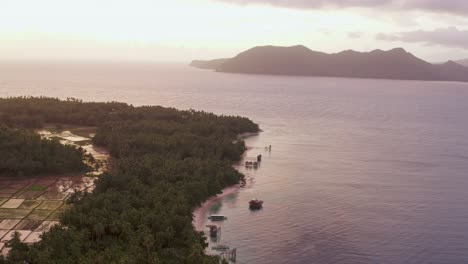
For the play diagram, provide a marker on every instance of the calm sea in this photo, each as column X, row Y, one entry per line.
column 361, row 171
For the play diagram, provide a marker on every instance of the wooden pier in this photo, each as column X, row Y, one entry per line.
column 229, row 255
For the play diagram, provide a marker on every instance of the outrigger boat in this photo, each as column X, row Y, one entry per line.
column 217, row 217
column 220, row 248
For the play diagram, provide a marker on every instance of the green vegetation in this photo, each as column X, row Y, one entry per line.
column 37, row 188
column 29, row 204
column 38, row 214
column 13, row 213
column 23, row 152
column 50, row 205
column 165, row 162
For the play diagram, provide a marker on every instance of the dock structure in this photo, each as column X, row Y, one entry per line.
column 215, row 231
column 229, row 255
column 259, row 158
column 252, row 164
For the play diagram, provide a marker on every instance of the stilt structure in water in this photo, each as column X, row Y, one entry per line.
column 215, row 232
column 229, row 255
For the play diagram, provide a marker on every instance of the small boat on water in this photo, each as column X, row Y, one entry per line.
column 255, row 204
column 217, row 217
column 220, row 248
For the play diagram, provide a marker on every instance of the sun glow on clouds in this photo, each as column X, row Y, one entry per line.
column 170, row 30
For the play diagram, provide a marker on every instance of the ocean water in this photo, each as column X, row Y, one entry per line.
column 361, row 171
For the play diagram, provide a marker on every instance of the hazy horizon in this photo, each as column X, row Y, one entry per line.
column 185, row 61
column 118, row 147
column 182, row 30
column 361, row 170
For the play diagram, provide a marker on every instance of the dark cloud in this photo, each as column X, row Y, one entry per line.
column 313, row 3
column 449, row 6
column 449, row 37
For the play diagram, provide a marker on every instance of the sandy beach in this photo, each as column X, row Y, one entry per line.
column 200, row 214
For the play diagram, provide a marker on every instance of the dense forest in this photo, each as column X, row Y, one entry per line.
column 165, row 162
column 25, row 153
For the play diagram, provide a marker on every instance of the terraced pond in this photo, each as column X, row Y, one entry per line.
column 31, row 206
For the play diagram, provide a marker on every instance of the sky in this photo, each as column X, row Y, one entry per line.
column 182, row 30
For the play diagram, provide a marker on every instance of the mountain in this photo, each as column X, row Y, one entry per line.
column 463, row 62
column 208, row 64
column 301, row 61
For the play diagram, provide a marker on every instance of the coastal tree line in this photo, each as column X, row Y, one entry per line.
column 165, row 162
column 25, row 153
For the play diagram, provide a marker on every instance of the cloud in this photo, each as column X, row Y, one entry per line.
column 313, row 3
column 449, row 37
column 355, row 35
column 446, row 6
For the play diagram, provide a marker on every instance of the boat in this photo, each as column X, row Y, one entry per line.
column 220, row 248
column 217, row 217
column 255, row 204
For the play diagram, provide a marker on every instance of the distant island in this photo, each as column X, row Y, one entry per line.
column 463, row 62
column 396, row 64
column 209, row 65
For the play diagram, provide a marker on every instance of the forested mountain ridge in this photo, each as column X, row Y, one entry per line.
column 299, row 60
column 165, row 162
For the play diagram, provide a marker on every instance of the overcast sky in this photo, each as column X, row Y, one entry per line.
column 181, row 30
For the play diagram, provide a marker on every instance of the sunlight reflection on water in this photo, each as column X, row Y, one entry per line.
column 361, row 171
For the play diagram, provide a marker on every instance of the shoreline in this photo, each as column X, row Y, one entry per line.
column 200, row 213
column 45, row 193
